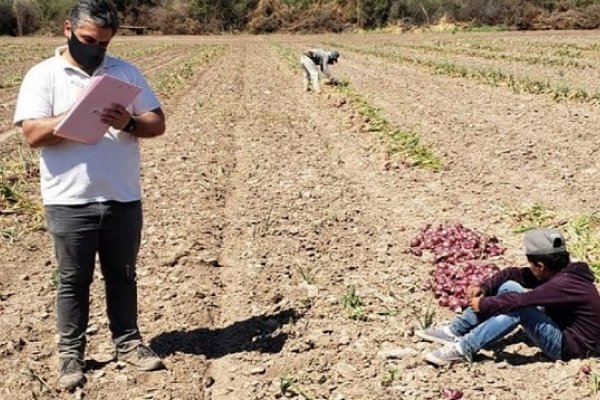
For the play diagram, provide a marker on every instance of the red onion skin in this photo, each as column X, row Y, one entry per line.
column 452, row 394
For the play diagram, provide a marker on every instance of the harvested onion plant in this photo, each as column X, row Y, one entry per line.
column 406, row 143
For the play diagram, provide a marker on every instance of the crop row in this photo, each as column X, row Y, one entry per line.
column 167, row 81
column 17, row 53
column 405, row 143
column 488, row 76
column 524, row 55
column 547, row 47
column 17, row 64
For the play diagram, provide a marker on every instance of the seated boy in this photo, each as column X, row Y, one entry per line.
column 554, row 300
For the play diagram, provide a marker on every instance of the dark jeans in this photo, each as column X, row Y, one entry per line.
column 112, row 230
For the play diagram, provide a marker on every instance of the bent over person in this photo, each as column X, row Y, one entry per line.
column 316, row 60
column 91, row 193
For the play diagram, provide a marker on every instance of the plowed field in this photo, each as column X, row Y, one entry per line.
column 267, row 207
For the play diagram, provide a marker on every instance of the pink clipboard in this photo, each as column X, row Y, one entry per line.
column 82, row 123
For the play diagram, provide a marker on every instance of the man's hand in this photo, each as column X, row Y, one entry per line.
column 475, row 303
column 474, row 291
column 116, row 117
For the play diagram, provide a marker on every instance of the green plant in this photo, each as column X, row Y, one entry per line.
column 308, row 274
column 390, row 375
column 488, row 52
column 388, row 312
column 425, row 317
column 594, row 382
column 170, row 80
column 54, row 278
column 353, row 303
column 263, row 227
column 289, row 386
column 20, row 209
column 8, row 234
column 581, row 232
column 127, row 51
column 403, row 142
column 287, row 54
column 583, row 239
column 535, row 216
column 488, row 76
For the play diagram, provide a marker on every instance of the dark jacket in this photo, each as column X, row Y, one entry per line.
column 570, row 299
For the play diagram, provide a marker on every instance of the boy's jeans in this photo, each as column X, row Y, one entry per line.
column 112, row 230
column 477, row 331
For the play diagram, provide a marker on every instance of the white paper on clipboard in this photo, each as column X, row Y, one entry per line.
column 82, row 123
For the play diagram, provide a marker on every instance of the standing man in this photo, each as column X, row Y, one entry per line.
column 91, row 193
column 314, row 60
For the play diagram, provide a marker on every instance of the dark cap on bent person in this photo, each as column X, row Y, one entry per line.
column 540, row 242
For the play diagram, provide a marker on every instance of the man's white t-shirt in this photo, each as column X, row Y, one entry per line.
column 74, row 173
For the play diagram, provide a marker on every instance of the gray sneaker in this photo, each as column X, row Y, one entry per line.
column 70, row 373
column 142, row 357
column 448, row 354
column 436, row 334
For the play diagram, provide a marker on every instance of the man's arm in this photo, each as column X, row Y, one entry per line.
column 39, row 132
column 150, row 124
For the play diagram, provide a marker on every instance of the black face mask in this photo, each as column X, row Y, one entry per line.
column 89, row 56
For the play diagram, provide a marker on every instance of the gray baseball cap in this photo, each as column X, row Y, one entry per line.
column 543, row 242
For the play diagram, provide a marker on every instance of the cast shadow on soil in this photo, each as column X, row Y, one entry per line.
column 513, row 358
column 253, row 334
column 95, row 365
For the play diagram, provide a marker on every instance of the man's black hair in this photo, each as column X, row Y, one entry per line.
column 99, row 12
column 554, row 262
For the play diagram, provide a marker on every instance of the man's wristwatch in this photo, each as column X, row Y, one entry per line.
column 131, row 125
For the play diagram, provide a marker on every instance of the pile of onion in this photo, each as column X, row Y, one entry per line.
column 459, row 259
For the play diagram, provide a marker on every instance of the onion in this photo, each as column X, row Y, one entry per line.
column 585, row 369
column 452, row 394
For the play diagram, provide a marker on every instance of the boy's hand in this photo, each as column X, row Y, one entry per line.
column 474, row 291
column 475, row 303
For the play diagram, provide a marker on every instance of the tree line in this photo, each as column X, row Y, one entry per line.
column 24, row 17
